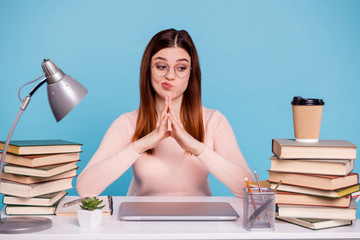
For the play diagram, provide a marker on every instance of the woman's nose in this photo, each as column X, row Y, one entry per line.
column 171, row 73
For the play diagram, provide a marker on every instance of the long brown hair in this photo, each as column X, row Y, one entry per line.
column 191, row 107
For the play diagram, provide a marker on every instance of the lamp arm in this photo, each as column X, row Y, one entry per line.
column 7, row 144
column 23, row 106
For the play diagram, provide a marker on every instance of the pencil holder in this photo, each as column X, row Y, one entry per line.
column 259, row 209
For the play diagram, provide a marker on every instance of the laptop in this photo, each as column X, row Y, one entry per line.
column 177, row 211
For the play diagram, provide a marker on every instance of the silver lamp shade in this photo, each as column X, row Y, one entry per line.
column 64, row 92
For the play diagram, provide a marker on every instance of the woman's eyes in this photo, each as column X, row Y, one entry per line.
column 178, row 67
column 181, row 67
column 161, row 66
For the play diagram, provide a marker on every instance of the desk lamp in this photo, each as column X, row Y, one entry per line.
column 64, row 93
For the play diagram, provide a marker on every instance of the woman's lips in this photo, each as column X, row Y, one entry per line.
column 166, row 85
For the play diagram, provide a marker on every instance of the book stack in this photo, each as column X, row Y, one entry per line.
column 37, row 174
column 316, row 182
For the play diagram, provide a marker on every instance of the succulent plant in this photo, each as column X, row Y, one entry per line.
column 91, row 203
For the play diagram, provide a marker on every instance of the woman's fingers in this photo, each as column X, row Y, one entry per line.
column 177, row 131
column 165, row 108
column 163, row 121
column 183, row 138
column 175, row 123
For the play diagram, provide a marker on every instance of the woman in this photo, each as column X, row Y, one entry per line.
column 171, row 141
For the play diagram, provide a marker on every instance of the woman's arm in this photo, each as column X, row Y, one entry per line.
column 117, row 153
column 225, row 160
column 113, row 157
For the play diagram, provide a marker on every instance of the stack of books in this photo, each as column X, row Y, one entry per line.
column 316, row 182
column 37, row 174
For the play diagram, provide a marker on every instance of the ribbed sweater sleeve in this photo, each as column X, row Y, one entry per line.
column 224, row 159
column 114, row 156
column 170, row 171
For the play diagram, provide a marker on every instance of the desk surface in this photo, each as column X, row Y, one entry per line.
column 113, row 228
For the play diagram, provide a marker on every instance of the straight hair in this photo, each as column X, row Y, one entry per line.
column 191, row 106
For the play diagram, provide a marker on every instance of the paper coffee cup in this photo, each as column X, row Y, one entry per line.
column 307, row 113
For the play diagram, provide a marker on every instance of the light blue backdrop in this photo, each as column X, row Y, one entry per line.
column 255, row 56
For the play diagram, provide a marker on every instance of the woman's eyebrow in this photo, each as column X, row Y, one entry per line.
column 178, row 60
column 182, row 59
column 161, row 58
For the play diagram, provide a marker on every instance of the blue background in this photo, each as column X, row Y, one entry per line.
column 255, row 56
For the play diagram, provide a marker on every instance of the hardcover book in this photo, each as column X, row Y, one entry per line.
column 324, row 182
column 48, row 146
column 297, row 211
column 31, row 180
column 44, row 200
column 303, row 199
column 29, row 210
column 316, row 224
column 316, row 192
column 41, row 160
column 34, row 190
column 72, row 210
column 339, row 167
column 323, row 149
column 46, row 171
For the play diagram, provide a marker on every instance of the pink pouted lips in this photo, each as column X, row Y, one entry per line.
column 166, row 85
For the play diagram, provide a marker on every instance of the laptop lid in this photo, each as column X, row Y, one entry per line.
column 177, row 211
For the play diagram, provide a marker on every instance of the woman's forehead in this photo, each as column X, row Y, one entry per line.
column 172, row 55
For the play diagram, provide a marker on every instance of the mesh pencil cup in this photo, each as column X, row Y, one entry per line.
column 259, row 209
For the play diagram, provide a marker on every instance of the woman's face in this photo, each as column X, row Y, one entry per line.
column 170, row 72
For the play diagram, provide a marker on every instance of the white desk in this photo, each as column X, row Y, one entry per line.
column 66, row 228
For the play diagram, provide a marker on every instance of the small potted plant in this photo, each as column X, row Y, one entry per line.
column 90, row 215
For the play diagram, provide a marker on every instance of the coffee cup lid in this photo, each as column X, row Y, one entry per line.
column 307, row 101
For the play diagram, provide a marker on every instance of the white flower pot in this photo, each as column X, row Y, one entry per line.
column 89, row 219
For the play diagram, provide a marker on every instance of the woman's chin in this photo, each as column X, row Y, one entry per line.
column 164, row 94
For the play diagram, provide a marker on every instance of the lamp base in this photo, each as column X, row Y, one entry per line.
column 16, row 225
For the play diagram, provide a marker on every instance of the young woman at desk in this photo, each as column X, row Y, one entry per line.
column 172, row 142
